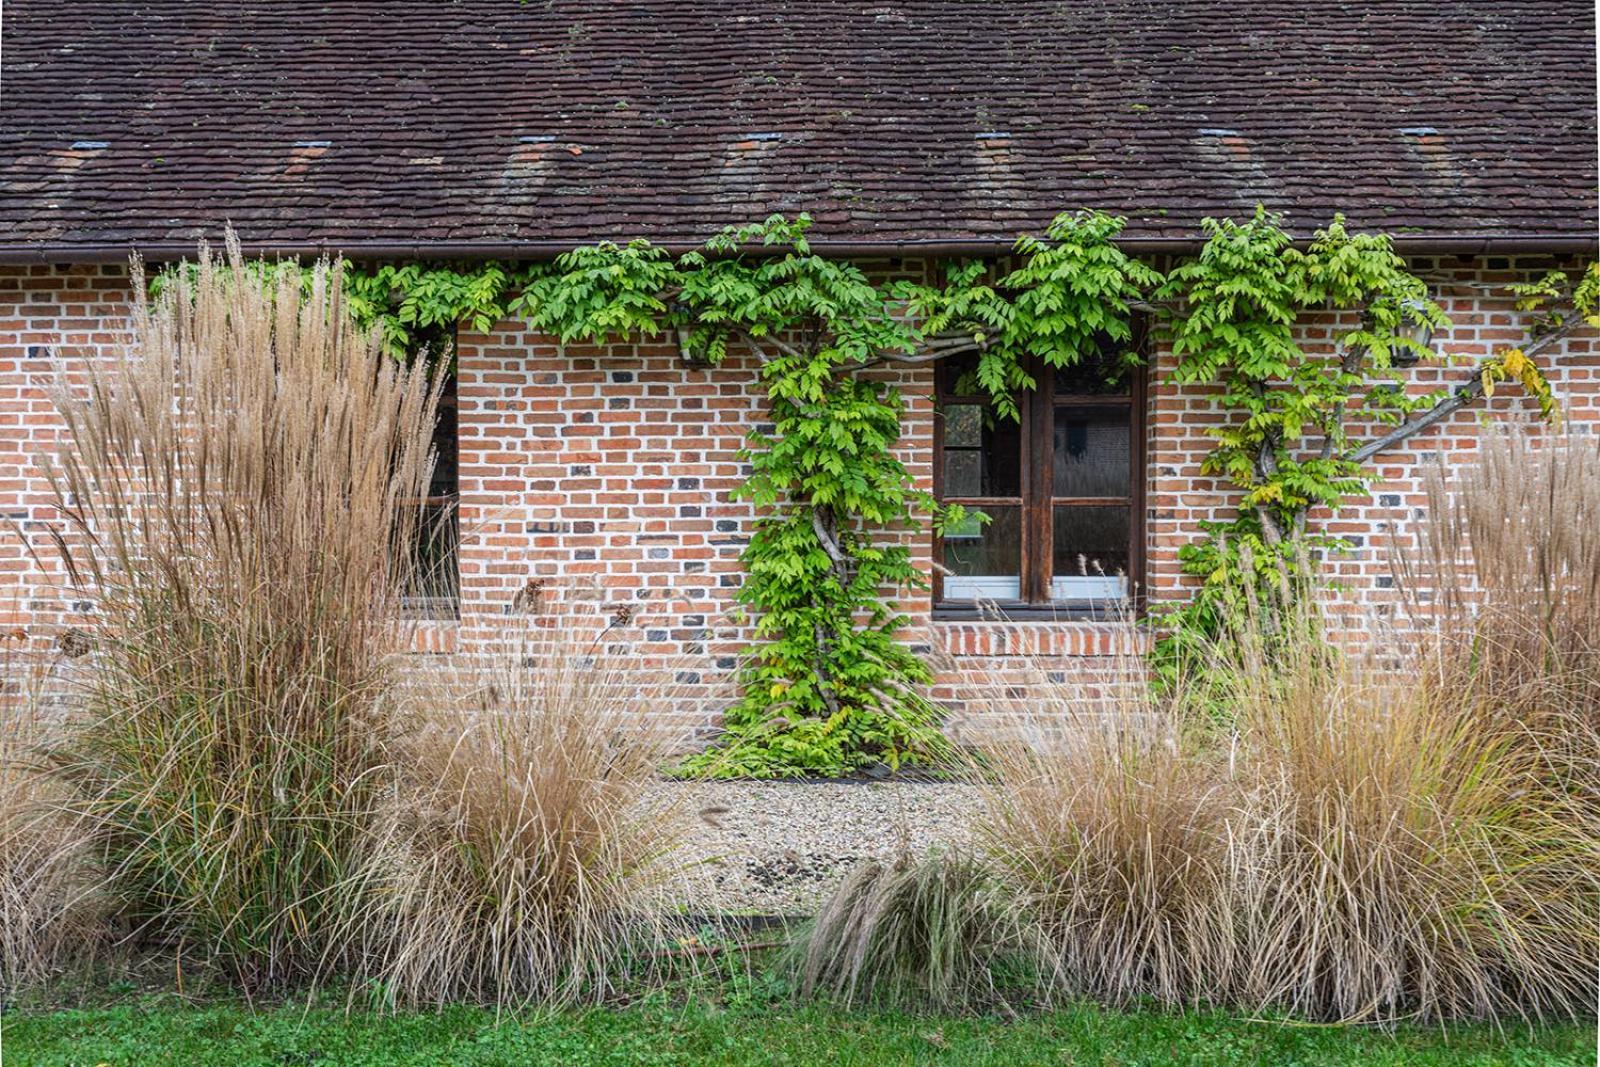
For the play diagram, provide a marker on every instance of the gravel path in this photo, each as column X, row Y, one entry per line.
column 778, row 847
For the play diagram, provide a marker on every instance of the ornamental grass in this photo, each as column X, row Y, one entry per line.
column 1409, row 830
column 240, row 488
column 920, row 932
column 521, row 855
column 52, row 907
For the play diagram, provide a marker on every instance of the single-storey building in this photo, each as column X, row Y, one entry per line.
column 912, row 131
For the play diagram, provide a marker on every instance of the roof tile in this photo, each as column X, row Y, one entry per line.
column 303, row 122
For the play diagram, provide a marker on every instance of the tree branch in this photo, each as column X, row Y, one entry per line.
column 933, row 349
column 1453, row 403
column 1434, row 415
column 1335, row 420
column 921, row 358
column 754, row 345
column 1266, row 465
column 820, row 526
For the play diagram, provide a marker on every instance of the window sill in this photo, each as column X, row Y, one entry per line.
column 1001, row 612
column 1047, row 633
column 430, row 609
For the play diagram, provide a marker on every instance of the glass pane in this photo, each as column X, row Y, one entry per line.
column 963, row 425
column 963, row 472
column 1089, row 542
column 1100, row 374
column 985, row 559
column 982, row 453
column 1091, row 453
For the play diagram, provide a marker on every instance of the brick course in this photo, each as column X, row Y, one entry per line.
column 594, row 478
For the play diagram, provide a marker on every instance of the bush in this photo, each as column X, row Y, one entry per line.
column 520, row 850
column 926, row 932
column 240, row 492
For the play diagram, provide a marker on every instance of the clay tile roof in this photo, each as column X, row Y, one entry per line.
column 502, row 126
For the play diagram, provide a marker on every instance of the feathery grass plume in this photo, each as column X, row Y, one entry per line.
column 928, row 932
column 52, row 910
column 1414, row 853
column 522, row 853
column 241, row 487
column 1502, row 579
column 1110, row 821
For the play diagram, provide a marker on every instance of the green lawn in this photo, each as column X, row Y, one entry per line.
column 745, row 1030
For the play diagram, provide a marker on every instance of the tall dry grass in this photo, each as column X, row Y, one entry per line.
column 1414, row 852
column 1111, row 822
column 238, row 488
column 52, row 910
column 1503, row 579
column 523, row 852
column 1404, row 831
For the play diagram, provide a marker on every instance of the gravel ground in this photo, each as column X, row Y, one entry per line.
column 777, row 848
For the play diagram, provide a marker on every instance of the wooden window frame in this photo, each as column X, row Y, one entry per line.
column 1037, row 409
column 442, row 604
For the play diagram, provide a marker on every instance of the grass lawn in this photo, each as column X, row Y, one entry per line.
column 740, row 1030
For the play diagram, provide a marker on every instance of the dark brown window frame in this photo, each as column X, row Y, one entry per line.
column 439, row 598
column 1037, row 408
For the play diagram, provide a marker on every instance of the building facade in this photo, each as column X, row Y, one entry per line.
column 598, row 483
column 592, row 479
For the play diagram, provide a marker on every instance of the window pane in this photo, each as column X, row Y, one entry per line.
column 1099, row 374
column 963, row 426
column 1091, row 453
column 985, row 560
column 1090, row 556
column 982, row 453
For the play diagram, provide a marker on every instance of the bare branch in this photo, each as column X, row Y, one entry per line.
column 784, row 346
column 924, row 357
column 1434, row 415
column 1453, row 403
column 959, row 339
column 942, row 346
column 819, row 526
column 762, row 356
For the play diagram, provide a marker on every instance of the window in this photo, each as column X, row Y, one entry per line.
column 435, row 586
column 1063, row 489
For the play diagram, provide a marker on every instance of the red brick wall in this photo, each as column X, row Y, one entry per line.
column 51, row 319
column 597, row 479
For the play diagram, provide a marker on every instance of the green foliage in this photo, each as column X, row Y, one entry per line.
column 828, row 688
column 1071, row 292
column 1288, row 450
column 419, row 305
column 415, row 306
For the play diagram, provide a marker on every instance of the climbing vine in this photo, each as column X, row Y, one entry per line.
column 828, row 688
column 1291, row 446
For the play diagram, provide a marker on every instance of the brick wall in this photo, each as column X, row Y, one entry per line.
column 598, row 483
column 51, row 320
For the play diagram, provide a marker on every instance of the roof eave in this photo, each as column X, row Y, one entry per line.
column 18, row 253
